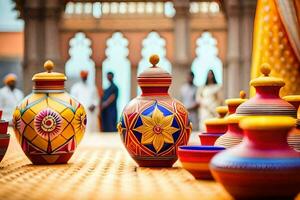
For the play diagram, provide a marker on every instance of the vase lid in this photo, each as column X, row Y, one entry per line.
column 49, row 80
column 234, row 119
column 292, row 98
column 265, row 79
column 267, row 122
column 154, row 76
column 222, row 111
column 237, row 101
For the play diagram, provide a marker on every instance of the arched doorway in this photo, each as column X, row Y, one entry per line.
column 117, row 62
column 80, row 59
column 207, row 59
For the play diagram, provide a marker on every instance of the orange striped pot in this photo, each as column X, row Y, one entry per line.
column 195, row 159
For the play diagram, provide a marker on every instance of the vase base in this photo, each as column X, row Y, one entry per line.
column 50, row 159
column 163, row 162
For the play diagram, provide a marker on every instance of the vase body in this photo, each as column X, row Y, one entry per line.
column 262, row 166
column 153, row 125
column 234, row 134
column 294, row 135
column 4, row 137
column 49, row 124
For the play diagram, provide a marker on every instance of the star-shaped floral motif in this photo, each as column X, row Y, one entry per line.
column 157, row 130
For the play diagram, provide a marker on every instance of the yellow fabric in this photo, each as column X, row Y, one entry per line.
column 272, row 45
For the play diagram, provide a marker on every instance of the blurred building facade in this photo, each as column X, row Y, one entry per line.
column 115, row 35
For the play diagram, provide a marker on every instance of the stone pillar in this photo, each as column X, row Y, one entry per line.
column 53, row 12
column 182, row 62
column 233, row 77
column 32, row 37
column 247, row 26
column 41, row 37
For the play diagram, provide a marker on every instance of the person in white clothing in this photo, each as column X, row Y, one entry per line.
column 88, row 96
column 10, row 96
column 188, row 97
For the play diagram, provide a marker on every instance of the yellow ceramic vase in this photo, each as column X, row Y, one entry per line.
column 48, row 123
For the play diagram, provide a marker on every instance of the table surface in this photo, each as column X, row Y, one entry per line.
column 100, row 169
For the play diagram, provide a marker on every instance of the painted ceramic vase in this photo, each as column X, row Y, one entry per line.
column 49, row 124
column 153, row 125
column 294, row 136
column 215, row 127
column 263, row 166
column 234, row 134
column 267, row 100
column 4, row 137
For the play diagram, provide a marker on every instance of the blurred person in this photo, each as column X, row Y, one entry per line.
column 188, row 93
column 209, row 97
column 10, row 96
column 88, row 96
column 109, row 105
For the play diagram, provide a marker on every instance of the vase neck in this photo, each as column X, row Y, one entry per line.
column 267, row 91
column 155, row 91
column 235, row 129
column 267, row 139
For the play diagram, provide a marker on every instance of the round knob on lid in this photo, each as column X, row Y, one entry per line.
column 242, row 94
column 266, row 79
column 49, row 65
column 237, row 101
column 265, row 69
column 222, row 111
column 154, row 59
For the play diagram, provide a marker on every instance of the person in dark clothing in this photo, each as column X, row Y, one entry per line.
column 109, row 105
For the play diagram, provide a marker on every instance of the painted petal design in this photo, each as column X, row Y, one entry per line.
column 167, row 121
column 168, row 138
column 147, row 136
column 158, row 142
column 147, row 121
column 157, row 116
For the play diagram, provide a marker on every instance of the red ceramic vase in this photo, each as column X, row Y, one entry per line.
column 294, row 135
column 234, row 134
column 4, row 142
column 215, row 127
column 3, row 127
column 266, row 100
column 153, row 125
column 263, row 166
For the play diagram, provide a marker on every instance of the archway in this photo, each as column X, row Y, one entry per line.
column 206, row 59
column 117, row 62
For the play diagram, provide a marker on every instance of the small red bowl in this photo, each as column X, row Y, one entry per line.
column 4, row 142
column 3, row 127
column 208, row 139
column 196, row 159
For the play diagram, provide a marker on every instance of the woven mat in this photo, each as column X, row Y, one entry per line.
column 100, row 169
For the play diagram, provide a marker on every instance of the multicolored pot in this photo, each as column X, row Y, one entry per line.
column 234, row 134
column 153, row 125
column 196, row 159
column 294, row 136
column 49, row 124
column 267, row 100
column 263, row 166
column 215, row 127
